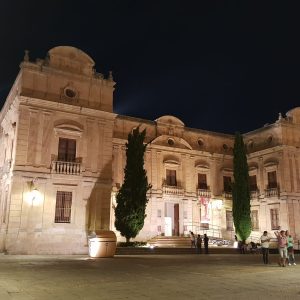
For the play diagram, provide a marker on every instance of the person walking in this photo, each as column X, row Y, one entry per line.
column 205, row 239
column 199, row 244
column 265, row 243
column 290, row 250
column 193, row 239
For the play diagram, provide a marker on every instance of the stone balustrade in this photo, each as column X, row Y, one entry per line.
column 272, row 192
column 172, row 190
column 227, row 195
column 206, row 193
column 254, row 194
column 65, row 167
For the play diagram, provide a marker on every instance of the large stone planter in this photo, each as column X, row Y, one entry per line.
column 103, row 244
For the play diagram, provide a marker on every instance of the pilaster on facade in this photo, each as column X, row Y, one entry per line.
column 60, row 129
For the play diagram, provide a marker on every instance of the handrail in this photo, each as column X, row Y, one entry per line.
column 213, row 230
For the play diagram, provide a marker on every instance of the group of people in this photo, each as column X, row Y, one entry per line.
column 196, row 242
column 285, row 248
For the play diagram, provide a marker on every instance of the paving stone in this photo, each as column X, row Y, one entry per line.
column 214, row 276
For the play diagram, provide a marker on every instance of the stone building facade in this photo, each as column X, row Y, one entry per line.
column 63, row 153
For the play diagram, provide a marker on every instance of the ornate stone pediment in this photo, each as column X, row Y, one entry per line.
column 71, row 59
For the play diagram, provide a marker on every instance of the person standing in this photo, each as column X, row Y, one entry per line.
column 290, row 250
column 282, row 247
column 199, row 244
column 192, row 237
column 206, row 243
column 265, row 243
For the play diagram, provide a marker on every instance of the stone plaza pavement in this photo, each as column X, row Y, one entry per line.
column 215, row 276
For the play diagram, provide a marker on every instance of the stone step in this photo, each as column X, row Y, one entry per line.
column 171, row 251
column 170, row 242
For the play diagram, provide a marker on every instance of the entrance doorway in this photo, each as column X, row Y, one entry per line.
column 176, row 219
column 171, row 219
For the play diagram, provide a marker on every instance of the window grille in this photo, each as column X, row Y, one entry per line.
column 63, row 207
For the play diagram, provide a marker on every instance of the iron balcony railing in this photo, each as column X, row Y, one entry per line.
column 65, row 167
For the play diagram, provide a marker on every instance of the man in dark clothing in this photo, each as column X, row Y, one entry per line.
column 199, row 244
column 206, row 243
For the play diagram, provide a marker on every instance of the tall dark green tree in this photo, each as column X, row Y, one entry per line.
column 241, row 190
column 131, row 198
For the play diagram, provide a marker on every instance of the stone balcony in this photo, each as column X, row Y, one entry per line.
column 254, row 194
column 227, row 195
column 172, row 190
column 65, row 167
column 272, row 192
column 206, row 193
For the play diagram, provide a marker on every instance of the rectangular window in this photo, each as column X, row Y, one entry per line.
column 63, row 207
column 202, row 182
column 254, row 220
column 185, row 214
column 227, row 184
column 272, row 180
column 184, row 227
column 159, row 228
column 274, row 218
column 229, row 220
column 159, row 213
column 171, row 177
column 67, row 150
column 252, row 183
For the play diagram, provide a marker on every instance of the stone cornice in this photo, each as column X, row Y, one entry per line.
column 65, row 108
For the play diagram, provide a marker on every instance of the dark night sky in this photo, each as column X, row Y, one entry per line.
column 220, row 66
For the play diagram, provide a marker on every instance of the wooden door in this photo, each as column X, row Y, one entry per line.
column 176, row 219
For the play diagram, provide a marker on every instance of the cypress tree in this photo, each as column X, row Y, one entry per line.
column 241, row 190
column 131, row 198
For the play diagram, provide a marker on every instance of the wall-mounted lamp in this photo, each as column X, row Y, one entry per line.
column 34, row 196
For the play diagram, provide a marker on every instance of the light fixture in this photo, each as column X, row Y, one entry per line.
column 34, row 196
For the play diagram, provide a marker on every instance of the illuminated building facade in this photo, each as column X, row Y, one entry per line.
column 63, row 153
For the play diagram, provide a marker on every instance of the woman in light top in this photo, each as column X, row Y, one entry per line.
column 290, row 249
